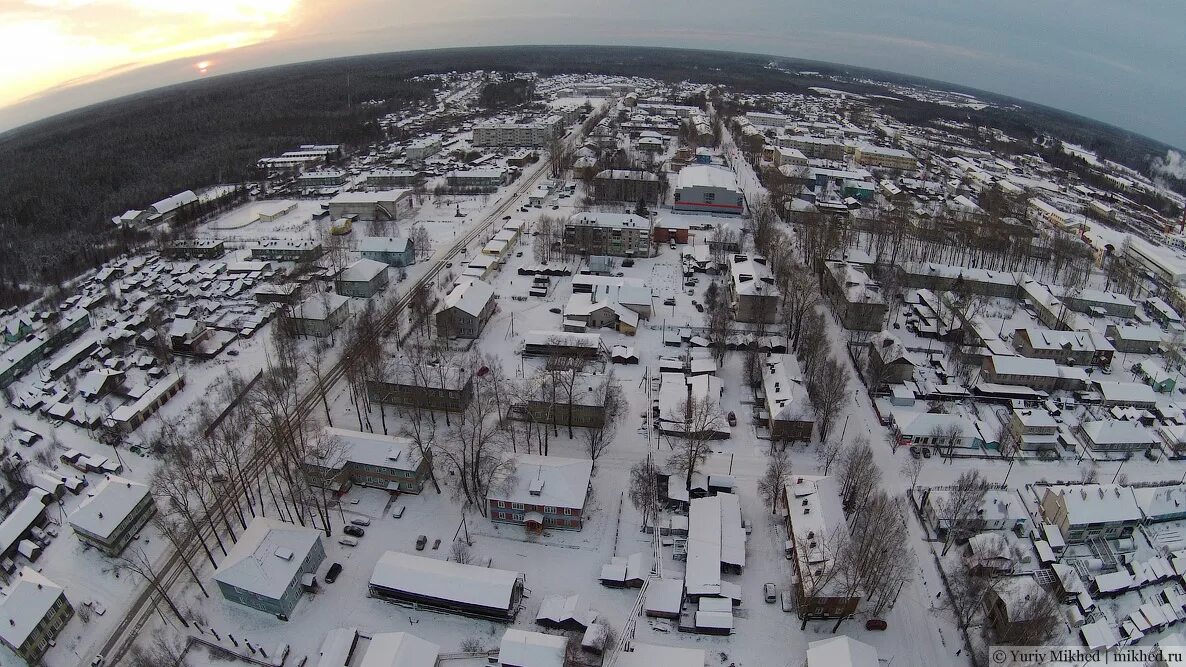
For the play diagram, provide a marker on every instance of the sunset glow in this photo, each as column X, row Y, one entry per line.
column 46, row 44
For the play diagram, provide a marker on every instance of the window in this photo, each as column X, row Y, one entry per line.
column 517, row 506
column 710, row 197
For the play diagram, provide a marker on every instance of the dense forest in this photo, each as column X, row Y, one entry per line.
column 62, row 179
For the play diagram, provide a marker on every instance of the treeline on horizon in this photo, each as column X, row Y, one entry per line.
column 62, row 179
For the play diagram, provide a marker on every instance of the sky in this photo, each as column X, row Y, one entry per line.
column 1119, row 62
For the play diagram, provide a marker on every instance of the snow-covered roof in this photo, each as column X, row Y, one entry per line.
column 400, row 649
column 470, row 297
column 1137, row 332
column 1126, row 392
column 782, row 383
column 610, row 220
column 319, row 306
column 1098, row 503
column 1024, row 366
column 20, row 519
column 1015, row 592
column 841, row 651
column 1099, row 634
column 559, row 609
column 362, row 271
column 337, row 646
column 255, row 564
column 522, row 648
column 816, row 515
column 1159, row 502
column 28, row 601
column 706, row 175
column 664, row 596
column 565, row 338
column 1114, row 431
column 751, row 275
column 370, row 449
column 113, row 500
column 444, row 580
column 552, row 481
column 174, row 202
column 651, row 655
column 377, row 197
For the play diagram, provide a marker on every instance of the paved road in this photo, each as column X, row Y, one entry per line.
column 172, row 568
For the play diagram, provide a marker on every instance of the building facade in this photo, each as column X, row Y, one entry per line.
column 614, row 234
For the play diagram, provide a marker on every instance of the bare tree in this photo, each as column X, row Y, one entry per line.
column 599, row 437
column 965, row 594
column 829, row 394
column 475, row 452
column 859, row 475
column 774, row 479
column 1032, row 621
column 911, row 470
column 828, row 452
column 960, row 508
column 643, row 490
column 178, row 534
column 702, row 420
column 134, row 560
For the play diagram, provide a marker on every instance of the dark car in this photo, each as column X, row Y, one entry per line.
column 331, row 575
column 926, row 453
column 421, row 542
column 876, row 624
column 354, row 531
column 555, row 310
column 732, row 419
column 915, row 453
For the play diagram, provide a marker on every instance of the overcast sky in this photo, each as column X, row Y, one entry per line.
column 1120, row 62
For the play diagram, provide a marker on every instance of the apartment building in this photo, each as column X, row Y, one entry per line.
column 615, row 234
column 115, row 512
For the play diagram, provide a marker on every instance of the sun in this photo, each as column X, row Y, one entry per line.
column 203, row 66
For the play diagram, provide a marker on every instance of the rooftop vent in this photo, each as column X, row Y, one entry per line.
column 283, row 553
column 536, row 488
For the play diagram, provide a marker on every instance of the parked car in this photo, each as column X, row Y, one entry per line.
column 361, row 521
column 788, row 601
column 354, row 531
column 876, row 624
column 98, row 661
column 331, row 575
column 557, row 311
column 399, row 513
column 914, row 453
column 732, row 418
column 627, row 262
column 770, row 592
column 348, row 542
column 421, row 542
column 669, row 301
column 926, row 452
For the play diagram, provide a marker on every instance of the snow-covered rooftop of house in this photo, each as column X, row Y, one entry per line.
column 552, row 481
column 1126, row 392
column 611, row 220
column 319, row 306
column 1115, row 431
column 841, row 651
column 566, row 338
column 288, row 244
column 470, row 297
column 1046, row 339
column 1157, row 502
column 23, row 516
column 751, row 275
column 400, row 649
column 782, row 382
column 256, row 564
column 364, row 270
column 372, row 449
column 859, row 286
column 1035, row 418
column 375, row 197
column 816, row 516
column 113, row 500
column 706, row 175
column 1138, row 332
column 523, row 648
column 651, row 655
column 28, row 601
column 1024, row 366
column 445, row 580
column 1098, row 503
column 664, row 596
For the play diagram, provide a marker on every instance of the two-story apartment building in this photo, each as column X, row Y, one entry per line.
column 1088, row 511
column 752, row 290
column 362, row 279
column 442, row 387
column 465, row 310
column 265, row 568
column 543, row 492
column 343, row 457
column 391, row 250
column 32, row 615
column 856, row 298
column 115, row 512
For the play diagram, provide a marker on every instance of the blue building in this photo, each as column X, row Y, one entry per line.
column 270, row 566
column 392, row 251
